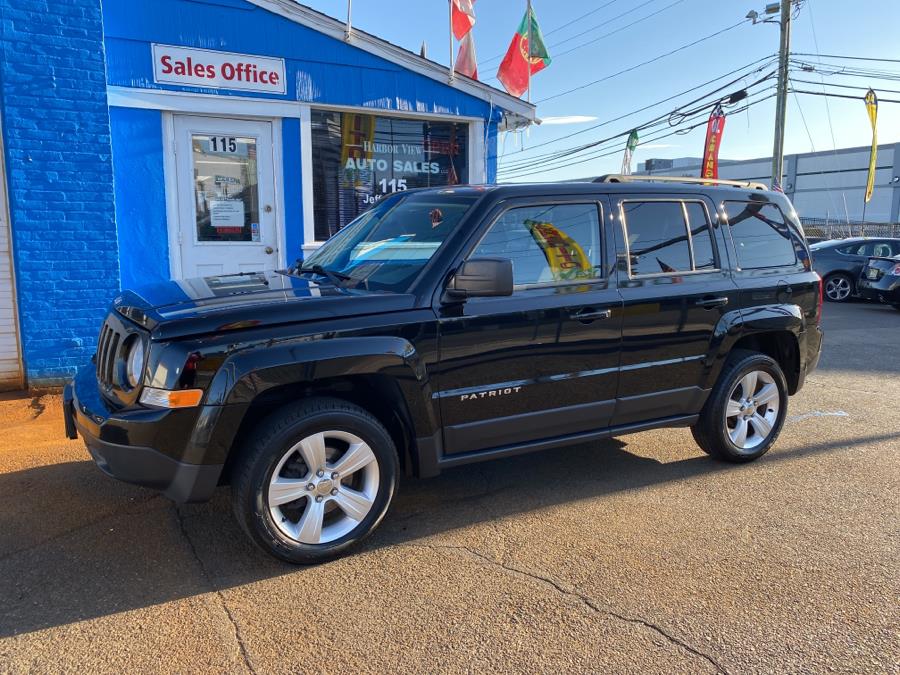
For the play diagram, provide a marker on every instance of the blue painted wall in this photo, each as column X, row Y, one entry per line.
column 140, row 191
column 57, row 145
column 319, row 68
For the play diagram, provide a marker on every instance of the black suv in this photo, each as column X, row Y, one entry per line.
column 455, row 325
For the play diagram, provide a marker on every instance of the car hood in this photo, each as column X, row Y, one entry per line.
column 248, row 300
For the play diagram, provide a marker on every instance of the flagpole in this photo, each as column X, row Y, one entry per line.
column 349, row 20
column 528, row 53
column 450, row 19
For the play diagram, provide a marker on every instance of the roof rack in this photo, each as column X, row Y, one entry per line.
column 621, row 178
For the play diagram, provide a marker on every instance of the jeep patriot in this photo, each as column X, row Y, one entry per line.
column 453, row 325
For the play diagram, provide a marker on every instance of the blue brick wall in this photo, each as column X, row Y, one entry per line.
column 57, row 144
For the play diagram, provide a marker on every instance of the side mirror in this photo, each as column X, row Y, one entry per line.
column 481, row 277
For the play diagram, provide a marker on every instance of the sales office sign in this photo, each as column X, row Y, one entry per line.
column 217, row 70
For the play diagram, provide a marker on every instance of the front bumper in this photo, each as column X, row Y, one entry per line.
column 114, row 441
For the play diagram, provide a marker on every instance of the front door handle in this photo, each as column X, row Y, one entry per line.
column 709, row 302
column 589, row 314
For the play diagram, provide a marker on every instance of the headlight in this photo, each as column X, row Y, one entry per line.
column 134, row 362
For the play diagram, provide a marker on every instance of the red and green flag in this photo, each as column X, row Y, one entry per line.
column 527, row 55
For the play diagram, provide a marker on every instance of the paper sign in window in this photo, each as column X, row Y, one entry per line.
column 227, row 214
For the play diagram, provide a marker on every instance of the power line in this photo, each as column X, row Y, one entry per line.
column 553, row 165
column 855, row 98
column 681, row 110
column 612, row 32
column 767, row 59
column 639, row 65
column 844, row 56
column 847, row 86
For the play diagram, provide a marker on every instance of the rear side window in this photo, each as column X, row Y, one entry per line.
column 665, row 237
column 547, row 244
column 761, row 236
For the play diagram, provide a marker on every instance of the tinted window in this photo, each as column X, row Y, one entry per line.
column 547, row 243
column 883, row 249
column 701, row 237
column 856, row 249
column 761, row 236
column 657, row 237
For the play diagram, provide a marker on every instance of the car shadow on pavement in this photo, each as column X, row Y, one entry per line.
column 75, row 545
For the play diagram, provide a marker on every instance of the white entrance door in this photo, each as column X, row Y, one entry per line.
column 226, row 196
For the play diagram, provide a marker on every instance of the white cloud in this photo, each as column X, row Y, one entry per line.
column 568, row 119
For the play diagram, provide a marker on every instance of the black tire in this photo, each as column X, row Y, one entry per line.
column 836, row 281
column 897, row 307
column 275, row 436
column 711, row 432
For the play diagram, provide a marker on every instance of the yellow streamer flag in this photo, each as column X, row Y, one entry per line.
column 872, row 109
column 566, row 258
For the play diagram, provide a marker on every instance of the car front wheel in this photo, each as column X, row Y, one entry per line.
column 317, row 479
column 838, row 288
column 745, row 410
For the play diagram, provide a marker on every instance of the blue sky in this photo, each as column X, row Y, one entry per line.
column 864, row 28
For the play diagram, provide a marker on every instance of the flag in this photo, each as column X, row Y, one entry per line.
column 714, row 128
column 466, row 63
column 523, row 58
column 629, row 151
column 462, row 17
column 872, row 108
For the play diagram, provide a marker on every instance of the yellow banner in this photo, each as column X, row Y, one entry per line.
column 566, row 258
column 357, row 139
column 872, row 109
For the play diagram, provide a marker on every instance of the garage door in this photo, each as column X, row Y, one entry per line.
column 11, row 376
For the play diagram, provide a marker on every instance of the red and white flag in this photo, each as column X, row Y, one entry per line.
column 463, row 17
column 466, row 63
column 714, row 130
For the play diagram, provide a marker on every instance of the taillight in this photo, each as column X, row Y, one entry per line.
column 896, row 271
column 821, row 299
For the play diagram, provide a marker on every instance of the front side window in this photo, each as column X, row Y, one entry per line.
column 547, row 244
column 761, row 236
column 359, row 159
column 386, row 247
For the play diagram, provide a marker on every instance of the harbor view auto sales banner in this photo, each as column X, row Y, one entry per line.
column 714, row 129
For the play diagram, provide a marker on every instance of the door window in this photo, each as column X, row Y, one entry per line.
column 701, row 237
column 226, row 195
column 658, row 237
column 547, row 244
column 761, row 235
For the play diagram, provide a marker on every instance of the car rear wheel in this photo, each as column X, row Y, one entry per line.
column 316, row 480
column 838, row 287
column 746, row 409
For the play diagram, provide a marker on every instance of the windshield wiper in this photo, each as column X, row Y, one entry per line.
column 335, row 277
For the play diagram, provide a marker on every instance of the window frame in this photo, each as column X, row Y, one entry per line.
column 737, row 255
column 602, row 278
column 690, row 237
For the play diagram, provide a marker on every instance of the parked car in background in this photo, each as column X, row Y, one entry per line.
column 880, row 280
column 841, row 261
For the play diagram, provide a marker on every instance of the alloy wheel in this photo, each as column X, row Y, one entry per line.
column 837, row 288
column 752, row 410
column 323, row 487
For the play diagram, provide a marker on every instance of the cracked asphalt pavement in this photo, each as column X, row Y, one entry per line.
column 637, row 554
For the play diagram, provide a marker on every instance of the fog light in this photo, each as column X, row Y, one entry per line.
column 163, row 398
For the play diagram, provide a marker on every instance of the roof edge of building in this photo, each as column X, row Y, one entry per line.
column 306, row 16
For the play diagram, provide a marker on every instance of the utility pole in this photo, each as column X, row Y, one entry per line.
column 781, row 98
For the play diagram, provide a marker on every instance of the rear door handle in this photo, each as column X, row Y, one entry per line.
column 709, row 303
column 589, row 314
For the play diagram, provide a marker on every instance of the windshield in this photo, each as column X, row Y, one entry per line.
column 386, row 247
